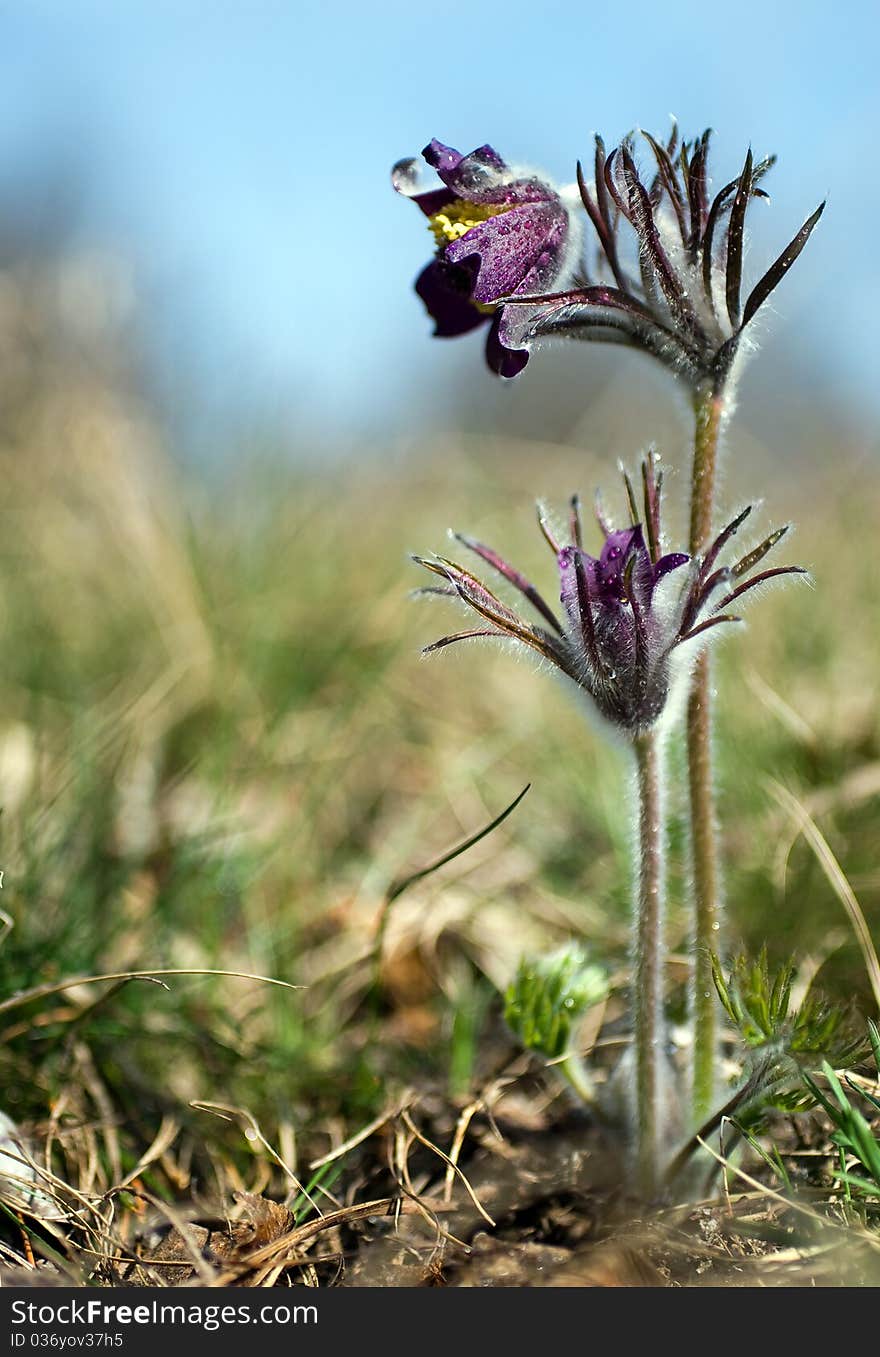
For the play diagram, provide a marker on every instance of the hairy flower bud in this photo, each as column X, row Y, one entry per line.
column 626, row 614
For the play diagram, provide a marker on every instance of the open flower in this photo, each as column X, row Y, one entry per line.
column 682, row 299
column 498, row 232
column 627, row 615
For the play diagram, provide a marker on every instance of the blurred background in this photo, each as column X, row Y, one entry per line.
column 223, row 424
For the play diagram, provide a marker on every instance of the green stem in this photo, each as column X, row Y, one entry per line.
column 648, row 978
column 709, row 413
column 577, row 1074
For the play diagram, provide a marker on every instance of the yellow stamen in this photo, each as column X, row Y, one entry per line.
column 459, row 217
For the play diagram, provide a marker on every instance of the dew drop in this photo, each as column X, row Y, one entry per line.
column 408, row 177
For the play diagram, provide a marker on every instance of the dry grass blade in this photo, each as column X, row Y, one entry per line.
column 836, row 879
column 461, row 1130
column 44, row 991
column 364, row 1134
column 429, row 1145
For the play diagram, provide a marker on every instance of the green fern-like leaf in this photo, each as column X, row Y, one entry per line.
column 783, row 1041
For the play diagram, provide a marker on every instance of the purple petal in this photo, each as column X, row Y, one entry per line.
column 618, row 544
column 516, row 250
column 435, row 200
column 605, row 577
column 445, row 292
column 668, row 563
column 483, row 177
column 612, row 561
column 443, row 159
column 625, row 551
column 468, row 176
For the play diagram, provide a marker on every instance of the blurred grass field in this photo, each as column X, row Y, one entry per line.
column 219, row 746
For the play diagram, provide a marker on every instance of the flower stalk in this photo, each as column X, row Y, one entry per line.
column 709, row 409
column 649, row 962
column 709, row 406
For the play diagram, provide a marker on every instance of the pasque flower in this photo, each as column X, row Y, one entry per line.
column 682, row 300
column 498, row 232
column 626, row 614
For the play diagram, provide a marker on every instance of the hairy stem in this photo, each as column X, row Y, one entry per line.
column 709, row 413
column 648, row 986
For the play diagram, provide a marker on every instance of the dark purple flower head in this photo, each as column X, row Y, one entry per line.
column 626, row 614
column 678, row 294
column 498, row 232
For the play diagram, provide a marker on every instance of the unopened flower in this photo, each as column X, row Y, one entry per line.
column 683, row 303
column 627, row 615
column 549, row 996
column 498, row 231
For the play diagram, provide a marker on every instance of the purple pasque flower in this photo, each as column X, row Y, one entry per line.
column 679, row 297
column 498, row 232
column 628, row 615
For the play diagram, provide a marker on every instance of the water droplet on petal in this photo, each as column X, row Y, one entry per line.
column 409, row 177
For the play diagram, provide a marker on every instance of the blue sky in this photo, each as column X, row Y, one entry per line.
column 238, row 153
